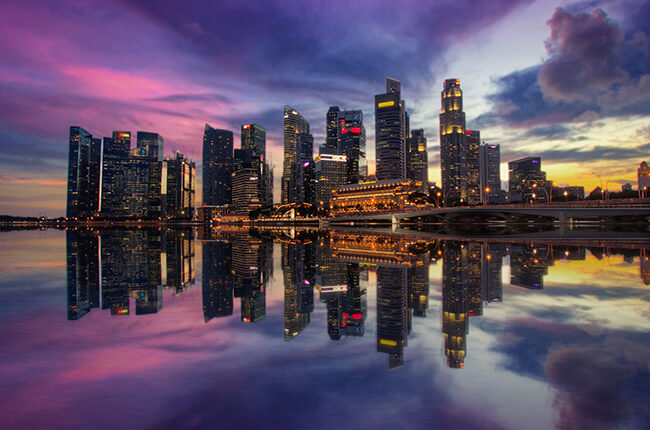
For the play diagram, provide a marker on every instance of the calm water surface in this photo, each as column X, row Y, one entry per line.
column 284, row 329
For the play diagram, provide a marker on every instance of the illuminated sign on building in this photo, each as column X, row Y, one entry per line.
column 355, row 130
column 385, row 104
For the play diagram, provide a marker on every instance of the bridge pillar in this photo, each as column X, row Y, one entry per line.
column 394, row 222
column 565, row 222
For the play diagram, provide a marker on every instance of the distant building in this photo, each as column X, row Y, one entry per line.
column 331, row 145
column 372, row 196
column 490, row 161
column 390, row 135
column 217, row 166
column 473, row 159
column 569, row 193
column 392, row 313
column 253, row 137
column 150, row 145
column 115, row 171
column 527, row 181
column 418, row 165
column 181, row 177
column 246, row 190
column 352, row 143
column 643, row 178
column 329, row 175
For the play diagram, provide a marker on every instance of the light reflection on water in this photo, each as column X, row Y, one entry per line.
column 311, row 329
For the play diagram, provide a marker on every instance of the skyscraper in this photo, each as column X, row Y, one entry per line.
column 352, row 144
column 294, row 124
column 253, row 137
column 418, row 165
column 246, row 179
column 390, row 133
column 83, row 174
column 473, row 159
column 115, row 170
column 392, row 313
column 490, row 173
column 217, row 287
column 301, row 182
column 150, row 145
column 329, row 174
column 181, row 177
column 332, row 125
column 217, row 166
column 453, row 162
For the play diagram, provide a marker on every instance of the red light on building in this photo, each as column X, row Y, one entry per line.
column 468, row 132
column 357, row 316
column 345, row 130
column 471, row 314
column 342, row 122
column 247, row 126
column 343, row 324
column 345, row 315
column 355, row 130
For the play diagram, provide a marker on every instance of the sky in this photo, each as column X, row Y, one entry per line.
column 567, row 81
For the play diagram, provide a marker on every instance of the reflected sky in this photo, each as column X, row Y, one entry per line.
column 207, row 328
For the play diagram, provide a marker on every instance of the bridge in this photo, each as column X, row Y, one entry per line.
column 564, row 214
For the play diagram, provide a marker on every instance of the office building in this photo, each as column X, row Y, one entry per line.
column 294, row 124
column 253, row 137
column 329, row 174
column 390, row 142
column 453, row 159
column 473, row 160
column 150, row 145
column 351, row 141
column 83, row 174
column 181, row 177
column 331, row 145
column 527, row 182
column 392, row 313
column 217, row 287
column 643, row 178
column 418, row 164
column 82, row 267
column 115, row 171
column 217, row 166
column 490, row 173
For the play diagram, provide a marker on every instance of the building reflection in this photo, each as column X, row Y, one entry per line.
column 134, row 267
column 126, row 271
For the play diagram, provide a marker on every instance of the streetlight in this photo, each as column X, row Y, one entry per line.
column 485, row 197
column 533, row 199
column 566, row 196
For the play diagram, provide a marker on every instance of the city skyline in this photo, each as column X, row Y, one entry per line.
column 535, row 102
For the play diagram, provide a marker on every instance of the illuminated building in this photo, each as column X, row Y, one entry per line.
column 455, row 302
column 253, row 137
column 643, row 178
column 372, row 196
column 115, row 170
column 473, row 160
column 490, row 163
column 247, row 276
column 331, row 145
column 492, row 263
column 302, row 179
column 246, row 189
column 418, row 165
column 181, row 176
column 217, row 166
column 294, row 124
column 135, row 196
column 82, row 267
column 150, row 145
column 83, row 174
column 390, row 139
column 392, row 313
column 329, row 175
column 453, row 157
column 217, row 287
column 352, row 143
column 526, row 179
column 473, row 277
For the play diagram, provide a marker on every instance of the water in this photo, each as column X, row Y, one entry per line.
column 284, row 329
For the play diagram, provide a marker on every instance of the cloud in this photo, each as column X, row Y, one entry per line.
column 595, row 69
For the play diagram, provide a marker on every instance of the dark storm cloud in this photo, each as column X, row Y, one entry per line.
column 584, row 154
column 595, row 68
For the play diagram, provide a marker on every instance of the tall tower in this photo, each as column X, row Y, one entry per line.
column 115, row 170
column 472, row 156
column 332, row 125
column 83, row 174
column 294, row 124
column 490, row 173
column 217, row 166
column 453, row 161
column 253, row 137
column 389, row 133
column 418, row 166
column 352, row 144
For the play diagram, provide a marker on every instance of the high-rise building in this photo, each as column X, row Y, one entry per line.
column 217, row 281
column 352, row 144
column 83, row 174
column 82, row 252
column 253, row 137
column 473, row 159
column 246, row 190
column 294, row 124
column 115, row 171
column 392, row 313
column 418, row 166
column 181, row 177
column 490, row 173
column 643, row 178
column 296, row 317
column 453, row 159
column 455, row 302
column 217, row 166
column 526, row 180
column 390, row 139
column 330, row 174
column 332, row 124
